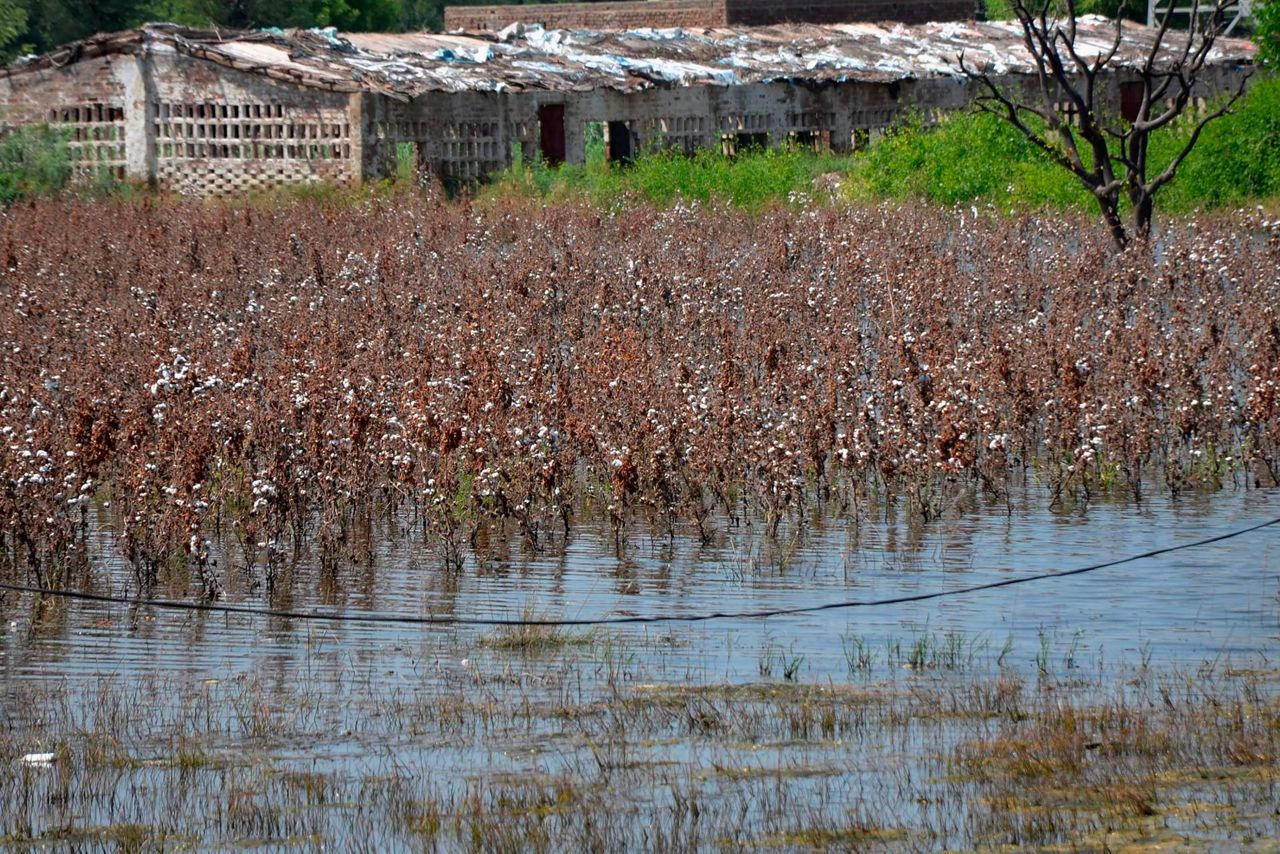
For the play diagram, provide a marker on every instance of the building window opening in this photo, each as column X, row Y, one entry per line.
column 817, row 141
column 619, row 143
column 733, row 144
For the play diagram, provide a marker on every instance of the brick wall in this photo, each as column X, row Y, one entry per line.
column 198, row 128
column 456, row 136
column 223, row 132
column 704, row 13
column 85, row 101
column 622, row 15
column 756, row 13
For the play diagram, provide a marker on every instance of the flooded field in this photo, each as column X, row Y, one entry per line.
column 474, row 415
column 1134, row 703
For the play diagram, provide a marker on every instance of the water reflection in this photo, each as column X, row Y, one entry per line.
column 1178, row 608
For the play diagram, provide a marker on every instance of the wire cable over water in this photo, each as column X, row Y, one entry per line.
column 406, row 619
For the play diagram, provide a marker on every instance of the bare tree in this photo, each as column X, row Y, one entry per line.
column 1088, row 137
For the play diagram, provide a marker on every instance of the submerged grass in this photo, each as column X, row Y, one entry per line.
column 558, row 757
column 535, row 635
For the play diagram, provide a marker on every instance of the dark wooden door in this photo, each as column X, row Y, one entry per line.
column 551, row 131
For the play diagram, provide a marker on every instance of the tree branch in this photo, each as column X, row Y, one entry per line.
column 999, row 104
column 1172, row 169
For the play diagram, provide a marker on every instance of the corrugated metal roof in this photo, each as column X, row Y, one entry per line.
column 523, row 58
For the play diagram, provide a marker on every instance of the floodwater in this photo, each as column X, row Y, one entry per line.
column 362, row 701
column 1180, row 608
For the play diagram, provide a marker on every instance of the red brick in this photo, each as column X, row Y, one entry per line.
column 703, row 13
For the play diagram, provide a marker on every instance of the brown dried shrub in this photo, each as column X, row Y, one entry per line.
column 276, row 372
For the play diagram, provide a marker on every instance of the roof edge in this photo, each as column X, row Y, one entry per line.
column 190, row 41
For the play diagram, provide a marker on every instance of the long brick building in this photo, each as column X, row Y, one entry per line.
column 207, row 112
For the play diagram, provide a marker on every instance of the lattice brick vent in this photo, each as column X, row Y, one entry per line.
column 249, row 132
column 683, row 133
column 470, row 150
column 95, row 137
column 230, row 149
column 463, row 151
column 744, row 130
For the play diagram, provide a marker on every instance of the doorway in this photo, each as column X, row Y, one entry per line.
column 551, row 133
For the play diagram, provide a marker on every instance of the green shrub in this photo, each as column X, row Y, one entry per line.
column 967, row 157
column 1237, row 157
column 979, row 157
column 750, row 180
column 1134, row 10
column 35, row 160
column 13, row 26
column 1266, row 30
column 996, row 10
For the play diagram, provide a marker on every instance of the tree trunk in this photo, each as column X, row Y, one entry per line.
column 1111, row 213
column 1143, row 205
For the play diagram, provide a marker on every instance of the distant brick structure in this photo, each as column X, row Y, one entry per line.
column 761, row 13
column 606, row 16
column 185, row 124
column 702, row 13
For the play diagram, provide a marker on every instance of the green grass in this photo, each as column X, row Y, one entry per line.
column 749, row 180
column 1237, row 158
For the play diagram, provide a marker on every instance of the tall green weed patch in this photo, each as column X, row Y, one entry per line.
column 749, row 180
column 1237, row 158
column 967, row 157
column 34, row 161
